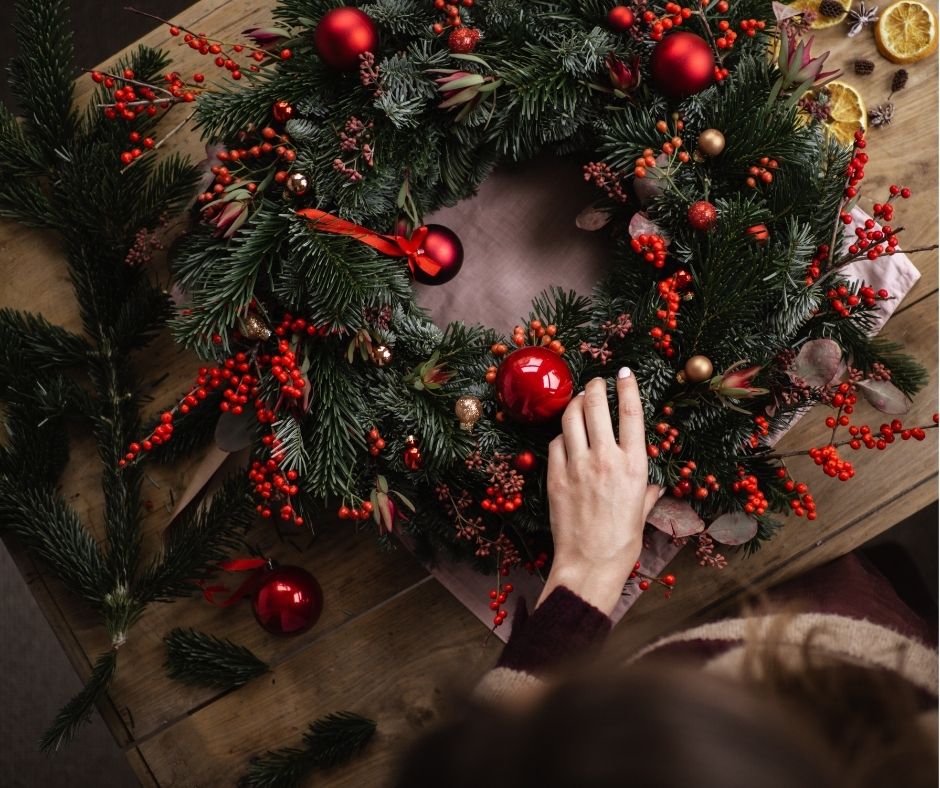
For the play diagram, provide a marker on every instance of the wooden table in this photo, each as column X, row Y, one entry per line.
column 392, row 641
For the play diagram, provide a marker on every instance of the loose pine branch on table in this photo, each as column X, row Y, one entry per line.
column 203, row 660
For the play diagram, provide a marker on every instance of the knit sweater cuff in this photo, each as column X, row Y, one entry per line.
column 563, row 626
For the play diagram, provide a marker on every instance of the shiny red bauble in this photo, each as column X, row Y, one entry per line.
column 282, row 111
column 344, row 34
column 533, row 385
column 703, row 215
column 289, row 600
column 682, row 64
column 443, row 246
column 620, row 18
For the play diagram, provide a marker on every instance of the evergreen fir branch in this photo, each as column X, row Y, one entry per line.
column 41, row 76
column 202, row 660
column 23, row 201
column 78, row 710
column 33, row 451
column 196, row 543
column 31, row 339
column 331, row 741
column 51, row 531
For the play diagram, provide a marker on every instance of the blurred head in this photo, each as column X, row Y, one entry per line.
column 683, row 727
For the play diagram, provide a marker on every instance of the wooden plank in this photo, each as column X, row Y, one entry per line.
column 395, row 664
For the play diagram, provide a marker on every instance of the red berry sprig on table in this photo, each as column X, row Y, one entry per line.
column 498, row 597
column 802, row 502
column 756, row 502
column 643, row 582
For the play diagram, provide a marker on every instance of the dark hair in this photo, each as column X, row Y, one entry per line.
column 678, row 727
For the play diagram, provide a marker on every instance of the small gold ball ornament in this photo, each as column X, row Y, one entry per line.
column 297, row 183
column 468, row 411
column 698, row 369
column 253, row 327
column 711, row 142
column 381, row 355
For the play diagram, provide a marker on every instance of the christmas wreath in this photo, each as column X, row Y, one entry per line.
column 727, row 206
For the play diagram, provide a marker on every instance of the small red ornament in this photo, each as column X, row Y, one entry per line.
column 682, row 64
column 682, row 279
column 620, row 18
column 463, row 40
column 344, row 34
column 282, row 111
column 703, row 215
column 524, row 461
column 443, row 246
column 758, row 233
column 412, row 454
column 288, row 602
column 534, row 384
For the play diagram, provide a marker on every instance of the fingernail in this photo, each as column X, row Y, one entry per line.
column 624, row 373
column 581, row 393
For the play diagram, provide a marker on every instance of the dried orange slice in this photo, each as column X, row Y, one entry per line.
column 821, row 21
column 906, row 32
column 847, row 112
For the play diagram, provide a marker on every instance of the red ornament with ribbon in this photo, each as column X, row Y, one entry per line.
column 286, row 600
column 434, row 252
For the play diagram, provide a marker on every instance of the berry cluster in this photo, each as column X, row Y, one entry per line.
column 651, row 247
column 270, row 485
column 756, row 502
column 236, row 165
column 842, row 301
column 762, row 430
column 376, row 442
column 687, row 485
column 669, row 294
column 874, row 241
column 536, row 563
column 361, row 512
column 356, row 137
column 451, row 13
column 660, row 25
column 226, row 55
column 604, row 177
column 762, row 172
column 816, row 265
column 286, row 371
column 855, row 172
column 498, row 597
column 643, row 582
column 667, row 441
column 832, row 464
column 504, row 493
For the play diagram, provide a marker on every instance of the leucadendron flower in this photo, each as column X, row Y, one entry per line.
column 735, row 382
column 266, row 37
column 228, row 213
column 799, row 70
column 624, row 79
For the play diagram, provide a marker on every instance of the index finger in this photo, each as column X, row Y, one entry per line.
column 630, row 411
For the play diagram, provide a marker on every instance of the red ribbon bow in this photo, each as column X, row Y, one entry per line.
column 391, row 245
column 249, row 586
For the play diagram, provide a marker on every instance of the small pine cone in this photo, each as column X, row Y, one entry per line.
column 864, row 67
column 831, row 9
column 899, row 80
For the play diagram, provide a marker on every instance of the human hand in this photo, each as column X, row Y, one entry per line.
column 598, row 494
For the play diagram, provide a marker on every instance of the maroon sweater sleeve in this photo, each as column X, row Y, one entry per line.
column 563, row 626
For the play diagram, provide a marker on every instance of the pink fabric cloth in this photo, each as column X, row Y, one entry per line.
column 519, row 237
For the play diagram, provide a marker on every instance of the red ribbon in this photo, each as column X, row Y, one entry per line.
column 391, row 245
column 254, row 565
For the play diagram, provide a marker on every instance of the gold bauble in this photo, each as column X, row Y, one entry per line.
column 253, row 327
column 698, row 369
column 711, row 142
column 381, row 355
column 297, row 183
column 468, row 410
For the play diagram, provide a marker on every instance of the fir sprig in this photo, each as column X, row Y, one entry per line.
column 199, row 659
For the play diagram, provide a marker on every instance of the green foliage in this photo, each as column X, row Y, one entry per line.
column 330, row 741
column 78, row 710
column 205, row 661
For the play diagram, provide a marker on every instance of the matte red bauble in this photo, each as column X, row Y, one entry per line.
column 443, row 246
column 703, row 215
column 620, row 18
column 534, row 385
column 288, row 602
column 342, row 35
column 682, row 64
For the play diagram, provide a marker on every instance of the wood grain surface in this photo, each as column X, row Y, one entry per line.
column 392, row 642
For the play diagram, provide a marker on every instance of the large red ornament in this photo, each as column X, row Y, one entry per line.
column 342, row 35
column 620, row 18
column 533, row 384
column 288, row 602
column 682, row 64
column 703, row 215
column 443, row 246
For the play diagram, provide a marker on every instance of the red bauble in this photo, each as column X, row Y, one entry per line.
column 524, row 461
column 758, row 233
column 443, row 246
column 533, row 384
column 703, row 215
column 282, row 111
column 288, row 602
column 342, row 35
column 682, row 280
column 620, row 18
column 463, row 40
column 411, row 456
column 682, row 64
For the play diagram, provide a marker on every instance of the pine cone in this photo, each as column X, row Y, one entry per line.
column 831, row 8
column 899, row 80
column 864, row 67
